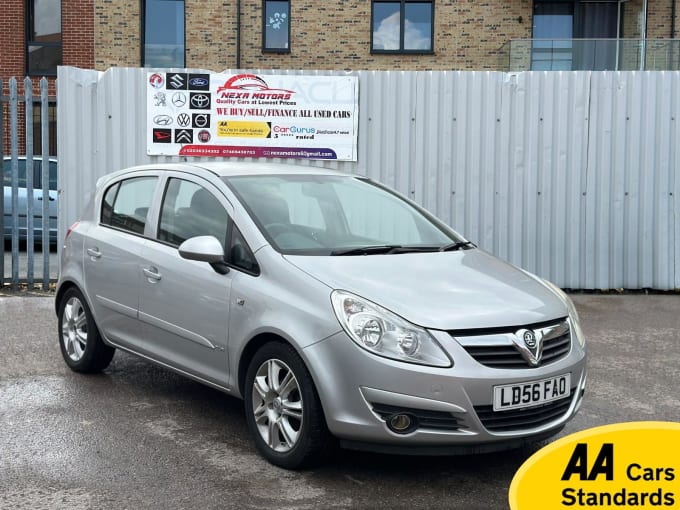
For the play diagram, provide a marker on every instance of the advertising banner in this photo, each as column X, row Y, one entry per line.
column 244, row 115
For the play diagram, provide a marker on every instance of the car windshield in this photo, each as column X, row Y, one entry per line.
column 336, row 215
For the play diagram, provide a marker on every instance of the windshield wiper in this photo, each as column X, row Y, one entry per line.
column 459, row 245
column 368, row 250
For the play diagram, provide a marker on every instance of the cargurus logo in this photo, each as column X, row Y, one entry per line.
column 295, row 130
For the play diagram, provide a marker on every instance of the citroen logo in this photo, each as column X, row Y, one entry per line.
column 530, row 345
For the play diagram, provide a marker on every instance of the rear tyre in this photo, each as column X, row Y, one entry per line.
column 283, row 410
column 79, row 339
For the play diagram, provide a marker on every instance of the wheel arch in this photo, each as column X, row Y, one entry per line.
column 253, row 345
column 63, row 288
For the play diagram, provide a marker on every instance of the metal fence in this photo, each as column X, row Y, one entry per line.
column 25, row 179
column 570, row 175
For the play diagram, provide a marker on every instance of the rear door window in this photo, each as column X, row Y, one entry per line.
column 126, row 204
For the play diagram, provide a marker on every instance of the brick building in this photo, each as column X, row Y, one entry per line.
column 362, row 34
column 38, row 35
column 35, row 37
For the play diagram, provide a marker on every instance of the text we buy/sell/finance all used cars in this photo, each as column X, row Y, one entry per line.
column 335, row 308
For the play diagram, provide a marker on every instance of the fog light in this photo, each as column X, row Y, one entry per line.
column 401, row 423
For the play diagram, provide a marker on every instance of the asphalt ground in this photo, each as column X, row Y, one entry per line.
column 139, row 436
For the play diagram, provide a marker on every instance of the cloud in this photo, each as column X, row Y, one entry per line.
column 416, row 35
column 386, row 37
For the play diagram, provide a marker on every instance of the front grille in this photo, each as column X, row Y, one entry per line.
column 506, row 356
column 495, row 347
column 438, row 420
column 523, row 419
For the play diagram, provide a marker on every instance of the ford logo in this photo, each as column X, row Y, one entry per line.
column 198, row 82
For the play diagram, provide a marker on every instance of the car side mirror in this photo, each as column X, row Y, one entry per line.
column 205, row 249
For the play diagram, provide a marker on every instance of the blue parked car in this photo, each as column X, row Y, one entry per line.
column 37, row 199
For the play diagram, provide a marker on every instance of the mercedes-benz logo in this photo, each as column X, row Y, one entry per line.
column 200, row 100
column 179, row 99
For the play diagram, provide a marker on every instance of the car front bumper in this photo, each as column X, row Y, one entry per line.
column 359, row 391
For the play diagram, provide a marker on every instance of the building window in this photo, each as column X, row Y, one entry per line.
column 406, row 26
column 163, row 33
column 276, row 26
column 43, row 37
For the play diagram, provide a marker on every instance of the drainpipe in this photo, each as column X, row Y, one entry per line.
column 673, row 11
column 238, row 34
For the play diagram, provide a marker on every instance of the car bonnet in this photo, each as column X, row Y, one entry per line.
column 467, row 289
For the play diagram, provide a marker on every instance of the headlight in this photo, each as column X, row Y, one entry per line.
column 573, row 314
column 383, row 333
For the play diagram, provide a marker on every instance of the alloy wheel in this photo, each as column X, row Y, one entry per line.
column 277, row 405
column 74, row 328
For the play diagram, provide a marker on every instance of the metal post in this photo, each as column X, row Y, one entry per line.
column 45, row 149
column 28, row 101
column 14, row 152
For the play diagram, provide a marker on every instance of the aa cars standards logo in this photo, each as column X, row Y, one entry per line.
column 626, row 465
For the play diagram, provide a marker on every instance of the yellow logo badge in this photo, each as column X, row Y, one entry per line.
column 627, row 465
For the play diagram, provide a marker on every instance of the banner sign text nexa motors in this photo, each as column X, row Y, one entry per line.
column 244, row 115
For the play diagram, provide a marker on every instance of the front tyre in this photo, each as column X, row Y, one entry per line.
column 283, row 410
column 79, row 339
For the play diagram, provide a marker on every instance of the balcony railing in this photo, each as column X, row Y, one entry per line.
column 590, row 55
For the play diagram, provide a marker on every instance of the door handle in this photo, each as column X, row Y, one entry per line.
column 94, row 253
column 51, row 199
column 152, row 274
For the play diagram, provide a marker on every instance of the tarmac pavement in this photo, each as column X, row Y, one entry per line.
column 139, row 436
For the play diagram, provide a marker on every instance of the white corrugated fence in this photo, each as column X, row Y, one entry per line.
column 570, row 175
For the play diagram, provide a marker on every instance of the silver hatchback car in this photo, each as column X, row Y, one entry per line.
column 337, row 309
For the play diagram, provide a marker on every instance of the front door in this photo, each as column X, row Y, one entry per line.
column 184, row 304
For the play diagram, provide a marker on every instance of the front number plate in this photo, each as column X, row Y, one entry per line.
column 527, row 394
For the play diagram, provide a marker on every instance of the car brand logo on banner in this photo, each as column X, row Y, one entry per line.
column 177, row 81
column 179, row 99
column 162, row 135
column 183, row 120
column 201, row 120
column 156, row 80
column 162, row 120
column 184, row 136
column 199, row 82
column 199, row 101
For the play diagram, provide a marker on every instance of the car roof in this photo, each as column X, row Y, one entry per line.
column 238, row 168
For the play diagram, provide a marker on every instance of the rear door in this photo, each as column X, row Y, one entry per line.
column 111, row 259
